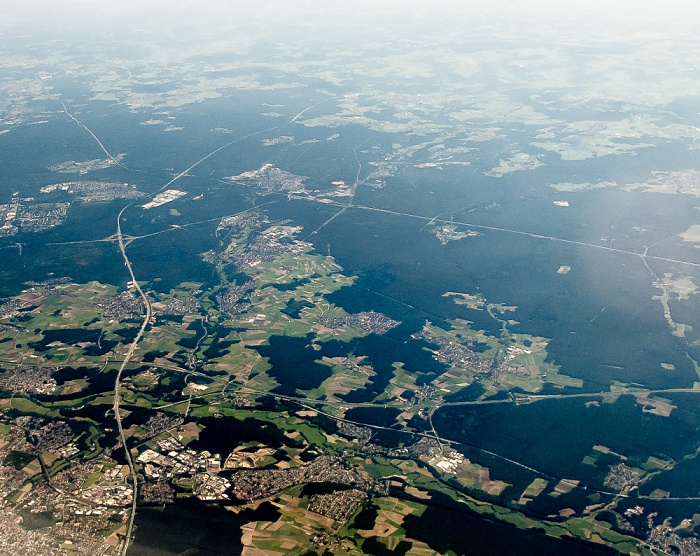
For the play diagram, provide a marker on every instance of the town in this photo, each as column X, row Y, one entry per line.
column 96, row 191
column 270, row 179
column 75, row 167
column 26, row 216
column 368, row 321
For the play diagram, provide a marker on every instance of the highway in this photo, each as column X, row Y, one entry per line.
column 643, row 255
column 147, row 304
column 117, row 382
column 442, row 441
column 123, row 241
column 86, row 128
column 238, row 140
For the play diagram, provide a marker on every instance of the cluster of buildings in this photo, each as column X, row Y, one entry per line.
column 17, row 540
column 29, row 216
column 53, row 437
column 255, row 484
column 211, row 487
column 231, row 300
column 37, row 380
column 171, row 459
column 454, row 354
column 158, row 424
column 58, row 516
column 183, row 306
column 383, row 169
column 369, row 321
column 123, row 306
column 238, row 221
column 8, row 213
column 668, row 540
column 457, row 355
column 272, row 244
column 339, row 505
column 275, row 242
column 76, row 167
column 96, row 191
column 109, row 495
column 447, row 462
column 621, row 476
column 270, row 179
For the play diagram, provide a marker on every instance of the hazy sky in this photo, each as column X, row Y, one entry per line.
column 182, row 14
column 181, row 28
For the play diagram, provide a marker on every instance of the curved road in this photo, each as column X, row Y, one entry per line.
column 117, row 382
column 123, row 242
